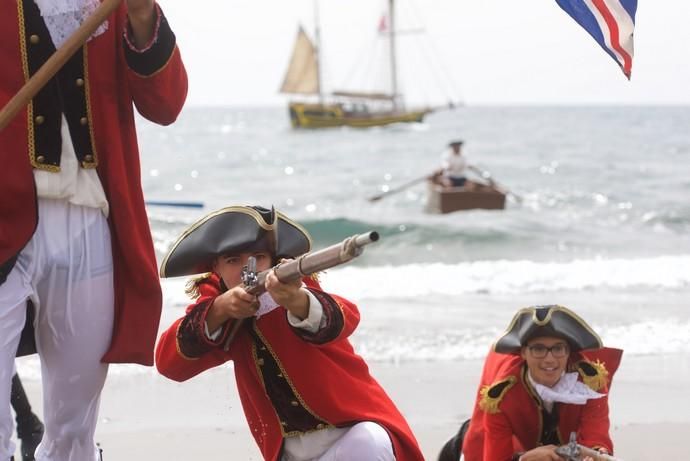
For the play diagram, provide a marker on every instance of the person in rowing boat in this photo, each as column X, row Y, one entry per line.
column 453, row 172
column 306, row 394
column 548, row 375
column 74, row 235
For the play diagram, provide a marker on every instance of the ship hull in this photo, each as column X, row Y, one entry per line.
column 333, row 115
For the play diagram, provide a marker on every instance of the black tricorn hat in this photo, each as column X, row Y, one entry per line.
column 556, row 321
column 455, row 143
column 232, row 230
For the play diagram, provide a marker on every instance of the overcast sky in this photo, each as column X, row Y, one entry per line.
column 483, row 51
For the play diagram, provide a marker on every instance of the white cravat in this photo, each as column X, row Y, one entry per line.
column 63, row 17
column 266, row 304
column 568, row 389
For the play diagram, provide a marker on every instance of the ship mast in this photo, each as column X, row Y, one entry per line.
column 393, row 64
column 317, row 40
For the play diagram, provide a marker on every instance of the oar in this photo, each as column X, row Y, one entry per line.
column 174, row 204
column 56, row 61
column 489, row 177
column 399, row 188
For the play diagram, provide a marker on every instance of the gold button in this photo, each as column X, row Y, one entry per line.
column 40, row 159
column 283, row 423
column 294, row 403
column 88, row 158
column 84, row 120
column 280, row 375
column 320, row 426
column 260, row 362
column 79, row 82
column 39, row 119
column 34, row 39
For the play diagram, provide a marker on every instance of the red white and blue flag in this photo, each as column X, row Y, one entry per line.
column 610, row 22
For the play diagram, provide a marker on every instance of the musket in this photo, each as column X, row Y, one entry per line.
column 573, row 451
column 309, row 263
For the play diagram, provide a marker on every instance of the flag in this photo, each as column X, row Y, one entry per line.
column 610, row 22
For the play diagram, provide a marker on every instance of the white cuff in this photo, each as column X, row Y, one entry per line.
column 313, row 321
column 212, row 336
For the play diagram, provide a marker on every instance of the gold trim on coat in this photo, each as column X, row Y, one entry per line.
column 289, row 382
column 488, row 402
column 89, row 116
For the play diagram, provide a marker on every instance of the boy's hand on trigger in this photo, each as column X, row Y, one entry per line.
column 235, row 303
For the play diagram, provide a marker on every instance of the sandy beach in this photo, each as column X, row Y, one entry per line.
column 144, row 416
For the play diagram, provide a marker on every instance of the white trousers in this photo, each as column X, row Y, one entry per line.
column 66, row 269
column 366, row 441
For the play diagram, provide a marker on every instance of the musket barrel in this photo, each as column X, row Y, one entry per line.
column 308, row 264
column 331, row 256
column 596, row 456
column 365, row 239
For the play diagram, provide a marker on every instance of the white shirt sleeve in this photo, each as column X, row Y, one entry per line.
column 212, row 336
column 445, row 163
column 314, row 319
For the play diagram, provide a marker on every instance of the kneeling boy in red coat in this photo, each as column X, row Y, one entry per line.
column 547, row 376
column 306, row 394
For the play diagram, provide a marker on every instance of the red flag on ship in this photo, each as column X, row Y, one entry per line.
column 383, row 24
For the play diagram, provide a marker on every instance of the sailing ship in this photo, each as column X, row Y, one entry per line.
column 316, row 109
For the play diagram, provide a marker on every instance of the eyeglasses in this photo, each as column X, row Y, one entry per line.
column 558, row 351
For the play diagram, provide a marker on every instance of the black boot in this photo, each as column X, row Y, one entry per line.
column 29, row 428
column 30, row 432
column 451, row 450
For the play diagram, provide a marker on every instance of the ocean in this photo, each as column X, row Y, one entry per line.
column 601, row 225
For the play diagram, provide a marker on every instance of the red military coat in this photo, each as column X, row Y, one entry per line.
column 111, row 85
column 290, row 382
column 507, row 417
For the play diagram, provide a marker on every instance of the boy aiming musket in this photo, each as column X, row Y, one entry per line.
column 305, row 393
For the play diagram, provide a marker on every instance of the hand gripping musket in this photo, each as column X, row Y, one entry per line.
column 255, row 283
column 573, row 451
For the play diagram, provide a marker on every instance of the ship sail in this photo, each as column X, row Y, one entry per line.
column 302, row 75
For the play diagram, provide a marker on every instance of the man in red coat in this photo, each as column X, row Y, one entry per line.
column 306, row 394
column 74, row 236
column 546, row 377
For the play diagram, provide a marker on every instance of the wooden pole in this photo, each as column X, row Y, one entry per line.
column 56, row 61
column 395, row 190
